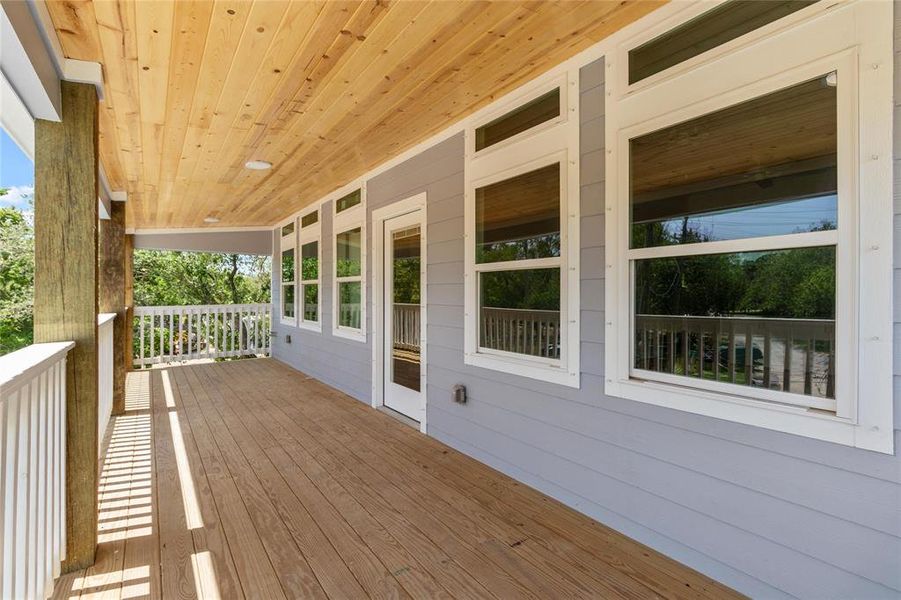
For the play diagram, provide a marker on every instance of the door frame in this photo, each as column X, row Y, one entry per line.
column 379, row 216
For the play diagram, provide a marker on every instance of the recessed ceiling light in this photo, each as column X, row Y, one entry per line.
column 211, row 220
column 258, row 165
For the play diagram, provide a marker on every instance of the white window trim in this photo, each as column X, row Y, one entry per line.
column 554, row 141
column 521, row 97
column 288, row 242
column 658, row 26
column 856, row 37
column 350, row 218
column 306, row 235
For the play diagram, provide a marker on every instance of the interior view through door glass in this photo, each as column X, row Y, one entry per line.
column 405, row 271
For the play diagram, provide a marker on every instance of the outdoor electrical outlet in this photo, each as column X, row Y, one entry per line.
column 459, row 393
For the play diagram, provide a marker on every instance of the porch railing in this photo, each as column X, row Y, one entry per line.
column 533, row 332
column 165, row 334
column 406, row 326
column 350, row 314
column 795, row 355
column 32, row 469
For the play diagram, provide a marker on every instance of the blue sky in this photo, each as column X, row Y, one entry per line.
column 16, row 173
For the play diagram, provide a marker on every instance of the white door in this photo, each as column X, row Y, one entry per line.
column 403, row 282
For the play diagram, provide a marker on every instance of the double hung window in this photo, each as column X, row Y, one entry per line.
column 736, row 196
column 309, row 269
column 288, row 269
column 522, row 237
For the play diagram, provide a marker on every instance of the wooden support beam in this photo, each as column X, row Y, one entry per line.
column 65, row 293
column 112, row 293
column 128, row 260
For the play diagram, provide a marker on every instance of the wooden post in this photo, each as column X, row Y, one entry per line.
column 65, row 293
column 128, row 259
column 112, row 293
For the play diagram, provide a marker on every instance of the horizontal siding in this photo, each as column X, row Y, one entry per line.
column 759, row 512
column 769, row 513
column 342, row 363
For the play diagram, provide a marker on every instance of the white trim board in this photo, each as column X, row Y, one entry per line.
column 379, row 216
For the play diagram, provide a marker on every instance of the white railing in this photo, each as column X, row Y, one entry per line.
column 104, row 374
column 533, row 332
column 32, row 469
column 793, row 355
column 165, row 334
column 349, row 315
column 406, row 326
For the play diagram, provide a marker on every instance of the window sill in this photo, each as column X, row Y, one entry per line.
column 349, row 334
column 288, row 322
column 523, row 368
column 747, row 411
column 311, row 326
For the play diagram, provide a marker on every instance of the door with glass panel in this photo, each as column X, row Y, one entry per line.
column 403, row 277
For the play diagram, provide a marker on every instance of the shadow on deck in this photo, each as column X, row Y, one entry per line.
column 249, row 478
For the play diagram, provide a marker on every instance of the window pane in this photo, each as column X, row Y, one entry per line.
column 288, row 304
column 309, row 261
column 519, row 218
column 349, row 307
column 711, row 29
column 764, row 319
column 519, row 311
column 348, row 201
column 763, row 167
column 309, row 219
column 288, row 265
column 539, row 110
column 348, row 263
column 288, row 229
column 311, row 302
column 405, row 316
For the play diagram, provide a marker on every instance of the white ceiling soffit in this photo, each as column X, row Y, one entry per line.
column 31, row 66
column 15, row 118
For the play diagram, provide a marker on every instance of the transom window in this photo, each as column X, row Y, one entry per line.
column 714, row 28
column 309, row 219
column 349, row 201
column 540, row 110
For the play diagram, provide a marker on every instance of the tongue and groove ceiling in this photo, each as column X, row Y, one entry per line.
column 323, row 90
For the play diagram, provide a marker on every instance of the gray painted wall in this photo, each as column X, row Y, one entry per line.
column 240, row 242
column 771, row 514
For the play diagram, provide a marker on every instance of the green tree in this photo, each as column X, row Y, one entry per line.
column 16, row 279
column 163, row 277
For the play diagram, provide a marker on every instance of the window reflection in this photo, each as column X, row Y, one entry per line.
column 519, row 218
column 347, row 261
column 520, row 311
column 764, row 167
column 763, row 319
column 349, row 305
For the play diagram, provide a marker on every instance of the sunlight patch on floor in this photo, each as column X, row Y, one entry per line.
column 193, row 516
column 205, row 576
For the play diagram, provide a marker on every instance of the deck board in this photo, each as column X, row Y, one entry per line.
column 250, row 479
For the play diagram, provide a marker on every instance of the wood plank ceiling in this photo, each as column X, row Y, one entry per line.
column 323, row 90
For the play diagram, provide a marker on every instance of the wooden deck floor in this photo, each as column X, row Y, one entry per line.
column 250, row 479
